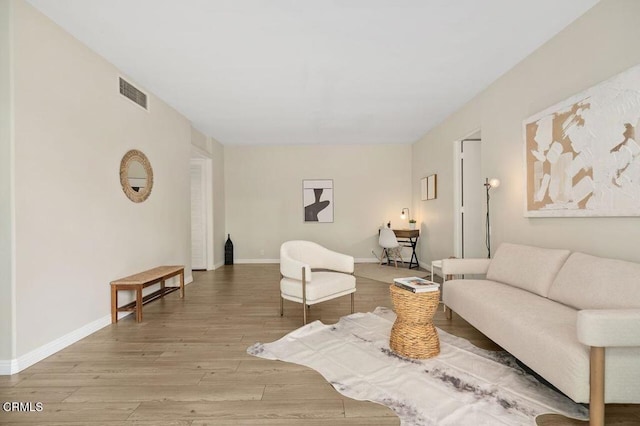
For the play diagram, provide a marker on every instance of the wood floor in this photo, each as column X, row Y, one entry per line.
column 186, row 364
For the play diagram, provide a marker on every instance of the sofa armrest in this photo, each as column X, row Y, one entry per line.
column 465, row 266
column 609, row 327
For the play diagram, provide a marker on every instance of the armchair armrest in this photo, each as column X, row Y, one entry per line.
column 297, row 254
column 335, row 261
column 291, row 268
column 465, row 266
column 609, row 327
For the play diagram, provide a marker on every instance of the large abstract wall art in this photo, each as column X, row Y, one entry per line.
column 582, row 155
column 317, row 199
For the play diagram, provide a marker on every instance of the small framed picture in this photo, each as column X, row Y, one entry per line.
column 423, row 189
column 432, row 187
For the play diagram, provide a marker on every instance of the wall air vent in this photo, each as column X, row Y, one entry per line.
column 130, row 91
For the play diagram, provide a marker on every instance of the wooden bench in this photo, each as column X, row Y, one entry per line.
column 141, row 280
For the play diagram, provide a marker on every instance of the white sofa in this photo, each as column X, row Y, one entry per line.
column 572, row 318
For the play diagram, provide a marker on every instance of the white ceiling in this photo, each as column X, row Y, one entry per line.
column 314, row 71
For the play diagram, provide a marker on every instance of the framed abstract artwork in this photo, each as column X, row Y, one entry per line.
column 317, row 200
column 582, row 156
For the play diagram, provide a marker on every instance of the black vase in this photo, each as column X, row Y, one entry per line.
column 228, row 251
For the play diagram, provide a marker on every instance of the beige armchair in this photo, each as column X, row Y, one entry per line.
column 312, row 274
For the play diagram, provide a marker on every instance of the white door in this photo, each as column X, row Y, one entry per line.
column 469, row 209
column 198, row 221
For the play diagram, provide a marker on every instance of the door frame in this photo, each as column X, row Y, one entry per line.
column 203, row 157
column 458, row 246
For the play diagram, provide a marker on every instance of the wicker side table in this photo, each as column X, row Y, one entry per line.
column 413, row 334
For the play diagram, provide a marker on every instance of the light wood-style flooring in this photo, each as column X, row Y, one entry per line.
column 186, row 364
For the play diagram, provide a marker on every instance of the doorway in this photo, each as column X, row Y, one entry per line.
column 201, row 212
column 468, row 201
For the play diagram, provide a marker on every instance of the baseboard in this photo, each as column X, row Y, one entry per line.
column 357, row 260
column 425, row 265
column 218, row 265
column 13, row 366
column 8, row 367
column 257, row 261
column 367, row 260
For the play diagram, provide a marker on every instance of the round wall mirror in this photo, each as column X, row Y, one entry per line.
column 136, row 176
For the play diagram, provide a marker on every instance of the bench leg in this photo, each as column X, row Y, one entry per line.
column 162, row 289
column 596, row 387
column 448, row 312
column 139, row 304
column 182, row 284
column 114, row 304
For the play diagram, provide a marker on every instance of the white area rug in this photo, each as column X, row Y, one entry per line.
column 385, row 273
column 464, row 385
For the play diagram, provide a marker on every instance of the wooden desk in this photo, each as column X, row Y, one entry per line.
column 139, row 281
column 410, row 238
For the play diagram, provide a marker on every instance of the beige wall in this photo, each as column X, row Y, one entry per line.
column 75, row 229
column 7, row 290
column 594, row 48
column 263, row 191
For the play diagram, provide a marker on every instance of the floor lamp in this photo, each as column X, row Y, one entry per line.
column 488, row 184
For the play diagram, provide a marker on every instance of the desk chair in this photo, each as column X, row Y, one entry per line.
column 390, row 246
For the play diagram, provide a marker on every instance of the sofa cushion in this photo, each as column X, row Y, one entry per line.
column 590, row 282
column 529, row 268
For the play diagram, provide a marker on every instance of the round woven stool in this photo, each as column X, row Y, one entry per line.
column 413, row 334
